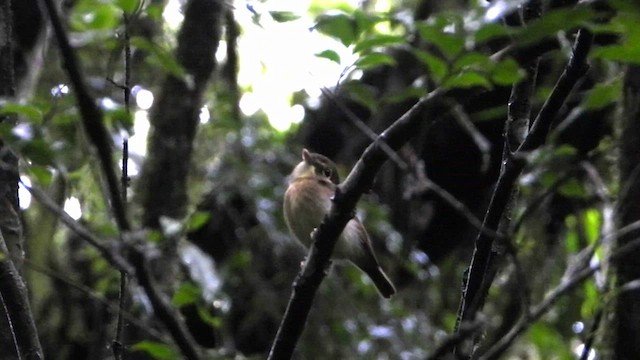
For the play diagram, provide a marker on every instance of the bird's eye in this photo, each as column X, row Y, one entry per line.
column 326, row 172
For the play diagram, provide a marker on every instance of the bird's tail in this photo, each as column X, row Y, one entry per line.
column 381, row 281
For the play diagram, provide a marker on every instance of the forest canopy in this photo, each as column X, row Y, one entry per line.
column 491, row 149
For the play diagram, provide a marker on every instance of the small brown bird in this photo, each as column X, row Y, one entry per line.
column 308, row 199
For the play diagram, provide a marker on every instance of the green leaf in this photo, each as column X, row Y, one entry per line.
column 128, row 6
column 571, row 240
column 163, row 57
column 365, row 20
column 38, row 151
column 154, row 11
column 208, row 318
column 339, row 26
column 623, row 53
column 29, row 111
column 156, row 350
column 361, row 93
column 507, row 72
column 373, row 60
column 378, row 40
column 592, row 225
column 552, row 22
column 283, row 16
column 198, row 220
column 549, row 342
column 119, row 119
column 438, row 68
column 330, row 55
column 186, row 294
column 490, row 31
column 472, row 61
column 603, row 95
column 572, row 188
column 41, row 174
column 104, row 17
column 450, row 44
column 467, row 80
column 407, row 93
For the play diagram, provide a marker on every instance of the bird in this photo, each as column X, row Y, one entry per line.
column 312, row 184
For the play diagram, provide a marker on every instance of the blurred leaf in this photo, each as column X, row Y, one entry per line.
column 472, row 61
column 94, row 16
column 29, row 111
column 361, row 93
column 208, row 318
column 373, row 60
column 156, row 350
column 41, row 174
column 602, row 95
column 330, row 55
column 490, row 31
column 119, row 119
column 339, row 26
column 283, row 16
column 198, row 220
column 507, row 72
column 571, row 240
column 554, row 21
column 572, row 188
column 450, row 44
column 155, row 236
column 154, row 11
column 625, row 53
column 564, row 151
column 550, row 344
column 163, row 57
column 186, row 294
column 38, row 151
column 592, row 224
column 411, row 92
column 128, row 6
column 365, row 20
column 592, row 300
column 378, row 40
column 240, row 260
column 467, row 80
column 438, row 68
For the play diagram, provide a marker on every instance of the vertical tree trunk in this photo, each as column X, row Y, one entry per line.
column 626, row 319
column 18, row 336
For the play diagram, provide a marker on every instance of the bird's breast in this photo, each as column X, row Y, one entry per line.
column 306, row 202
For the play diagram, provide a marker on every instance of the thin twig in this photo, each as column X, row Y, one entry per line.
column 366, row 130
column 114, row 309
column 484, row 146
column 563, row 288
column 118, row 343
column 110, row 254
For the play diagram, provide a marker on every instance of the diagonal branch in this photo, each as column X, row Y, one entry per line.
column 324, row 238
column 109, row 253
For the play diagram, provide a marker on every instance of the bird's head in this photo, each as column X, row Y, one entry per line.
column 315, row 165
